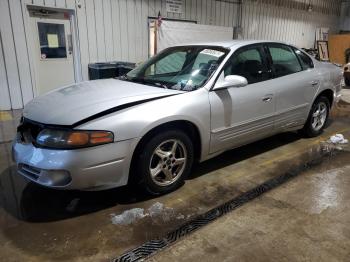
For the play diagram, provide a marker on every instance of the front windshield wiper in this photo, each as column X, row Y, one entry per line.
column 161, row 85
column 144, row 81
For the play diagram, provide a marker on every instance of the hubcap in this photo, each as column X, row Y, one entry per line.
column 168, row 162
column 319, row 116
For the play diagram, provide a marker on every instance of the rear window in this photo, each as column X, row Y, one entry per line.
column 306, row 61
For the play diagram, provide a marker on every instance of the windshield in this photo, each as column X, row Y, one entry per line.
column 181, row 68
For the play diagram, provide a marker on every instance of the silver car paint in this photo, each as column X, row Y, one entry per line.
column 68, row 105
column 219, row 127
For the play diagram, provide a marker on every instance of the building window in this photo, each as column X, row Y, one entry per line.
column 52, row 40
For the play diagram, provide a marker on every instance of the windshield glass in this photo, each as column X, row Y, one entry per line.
column 181, row 68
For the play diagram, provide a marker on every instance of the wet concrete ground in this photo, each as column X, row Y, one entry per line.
column 39, row 224
column 306, row 219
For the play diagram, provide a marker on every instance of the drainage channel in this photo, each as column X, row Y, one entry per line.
column 151, row 247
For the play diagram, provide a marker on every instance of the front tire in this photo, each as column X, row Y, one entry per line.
column 165, row 162
column 318, row 117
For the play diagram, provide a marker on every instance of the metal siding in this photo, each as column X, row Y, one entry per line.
column 108, row 32
column 51, row 3
column 60, row 3
column 100, row 33
column 10, row 57
column 70, row 4
column 38, row 2
column 117, row 30
column 91, row 30
column 131, row 30
column 139, row 22
column 144, row 30
column 124, row 31
column 5, row 102
column 21, row 51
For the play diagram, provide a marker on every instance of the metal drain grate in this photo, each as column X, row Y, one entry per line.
column 149, row 248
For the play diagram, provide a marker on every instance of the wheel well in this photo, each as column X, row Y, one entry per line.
column 186, row 126
column 328, row 94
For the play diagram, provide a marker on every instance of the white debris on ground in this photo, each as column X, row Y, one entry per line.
column 128, row 216
column 156, row 211
column 338, row 139
column 181, row 216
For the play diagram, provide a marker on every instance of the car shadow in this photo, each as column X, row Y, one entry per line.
column 33, row 203
column 242, row 153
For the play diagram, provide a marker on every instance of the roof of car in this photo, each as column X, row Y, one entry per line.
column 233, row 43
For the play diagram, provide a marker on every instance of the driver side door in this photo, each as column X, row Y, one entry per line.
column 240, row 115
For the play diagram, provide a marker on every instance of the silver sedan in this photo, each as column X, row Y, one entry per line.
column 186, row 104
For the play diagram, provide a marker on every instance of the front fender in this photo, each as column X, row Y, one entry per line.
column 136, row 121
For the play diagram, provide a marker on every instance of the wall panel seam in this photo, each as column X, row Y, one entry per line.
column 5, row 67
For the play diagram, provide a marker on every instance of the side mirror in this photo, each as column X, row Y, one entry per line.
column 231, row 81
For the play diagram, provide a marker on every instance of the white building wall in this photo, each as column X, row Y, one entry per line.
column 117, row 30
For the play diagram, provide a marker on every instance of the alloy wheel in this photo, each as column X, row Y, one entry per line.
column 319, row 116
column 168, row 162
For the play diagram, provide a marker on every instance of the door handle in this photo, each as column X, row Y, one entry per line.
column 314, row 83
column 267, row 98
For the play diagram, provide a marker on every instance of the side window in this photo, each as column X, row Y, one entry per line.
column 306, row 61
column 248, row 63
column 284, row 60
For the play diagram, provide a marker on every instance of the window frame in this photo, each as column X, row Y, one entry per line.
column 266, row 62
column 267, row 50
column 42, row 37
column 297, row 49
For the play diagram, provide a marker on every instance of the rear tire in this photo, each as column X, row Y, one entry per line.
column 165, row 162
column 318, row 117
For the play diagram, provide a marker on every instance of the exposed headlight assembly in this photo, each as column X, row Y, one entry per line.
column 71, row 139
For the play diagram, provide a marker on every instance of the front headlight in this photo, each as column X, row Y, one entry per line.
column 70, row 139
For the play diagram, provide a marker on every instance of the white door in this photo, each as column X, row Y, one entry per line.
column 52, row 54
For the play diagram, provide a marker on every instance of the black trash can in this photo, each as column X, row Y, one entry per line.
column 109, row 69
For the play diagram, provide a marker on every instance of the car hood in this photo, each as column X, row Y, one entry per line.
column 72, row 104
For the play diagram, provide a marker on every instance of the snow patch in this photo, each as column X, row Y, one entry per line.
column 338, row 139
column 128, row 216
column 157, row 210
column 181, row 216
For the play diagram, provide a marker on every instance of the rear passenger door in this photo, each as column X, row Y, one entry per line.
column 295, row 83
